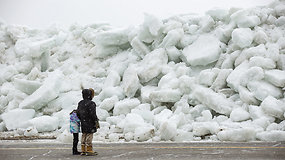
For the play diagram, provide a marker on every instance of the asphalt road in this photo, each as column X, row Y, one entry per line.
column 52, row 150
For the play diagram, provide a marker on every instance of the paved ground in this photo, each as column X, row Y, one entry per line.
column 52, row 150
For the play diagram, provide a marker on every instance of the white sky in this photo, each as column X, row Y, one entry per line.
column 43, row 13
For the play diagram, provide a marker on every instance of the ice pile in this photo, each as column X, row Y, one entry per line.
column 220, row 76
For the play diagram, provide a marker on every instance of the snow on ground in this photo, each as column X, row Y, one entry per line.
column 217, row 77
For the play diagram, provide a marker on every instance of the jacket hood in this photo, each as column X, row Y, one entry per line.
column 87, row 94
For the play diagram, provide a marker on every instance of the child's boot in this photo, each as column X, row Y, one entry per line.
column 75, row 151
column 90, row 151
column 83, row 149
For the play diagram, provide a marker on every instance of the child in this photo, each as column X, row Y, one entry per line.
column 74, row 128
column 86, row 112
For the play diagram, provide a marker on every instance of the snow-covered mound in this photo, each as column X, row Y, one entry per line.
column 220, row 77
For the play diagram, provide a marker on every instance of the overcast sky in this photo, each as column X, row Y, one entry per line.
column 43, row 13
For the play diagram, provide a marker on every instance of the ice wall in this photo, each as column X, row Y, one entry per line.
column 220, row 76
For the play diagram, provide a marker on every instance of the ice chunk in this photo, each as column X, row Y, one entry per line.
column 145, row 91
column 151, row 65
column 37, row 48
column 213, row 100
column 141, row 48
column 280, row 10
column 104, row 51
column 7, row 73
column 125, row 106
column 65, row 137
column 237, row 135
column 224, row 32
column 257, row 112
column 63, row 117
column 113, row 79
column 244, row 20
column 239, row 114
column 200, row 54
column 172, row 38
column 120, row 62
column 275, row 126
column 6, row 88
column 109, row 103
column 204, row 128
column 131, row 122
column 114, row 37
column 3, row 103
column 168, row 130
column 34, row 74
column 242, row 37
column 218, row 14
column 152, row 23
column 197, row 110
column 171, row 24
column 281, row 42
column 228, row 63
column 185, row 83
column 114, row 120
column 46, row 93
column 252, row 74
column 280, row 21
column 207, row 77
column 187, row 39
column 206, row 23
column 182, row 106
column 262, row 122
column 276, row 77
column 108, row 42
column 271, row 19
column 45, row 123
column 206, row 116
column 260, row 37
column 281, row 62
column 179, row 119
column 165, row 95
column 102, row 114
column 168, row 81
column 18, row 118
column 265, row 63
column 26, row 86
column 173, row 54
column 262, row 89
column 129, row 136
column 66, row 100
column 162, row 117
column 147, row 115
column 131, row 82
column 247, row 96
column 150, row 28
column 110, row 92
column 114, row 137
column 273, row 51
column 183, row 136
column 273, row 107
column 234, row 78
column 143, row 133
column 24, row 67
column 31, row 131
column 271, row 136
column 259, row 50
column 220, row 81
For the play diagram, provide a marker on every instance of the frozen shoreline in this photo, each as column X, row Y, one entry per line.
column 220, row 76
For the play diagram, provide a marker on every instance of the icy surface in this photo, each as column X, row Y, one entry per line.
column 217, row 77
column 200, row 54
column 17, row 118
